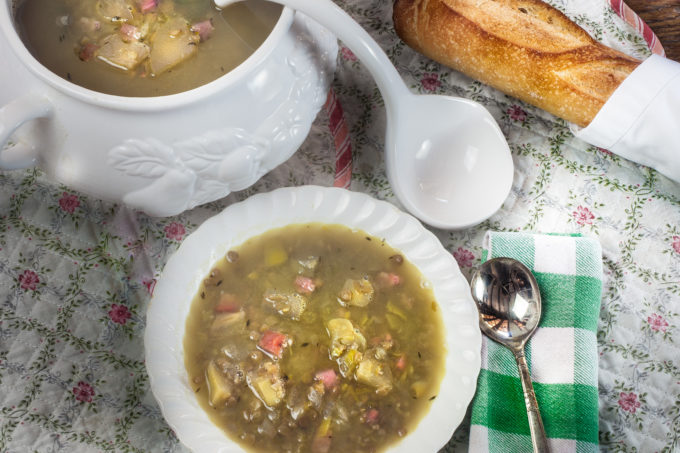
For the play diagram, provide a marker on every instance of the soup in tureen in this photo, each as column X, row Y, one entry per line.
column 142, row 47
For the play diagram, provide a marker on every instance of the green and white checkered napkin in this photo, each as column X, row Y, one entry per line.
column 562, row 354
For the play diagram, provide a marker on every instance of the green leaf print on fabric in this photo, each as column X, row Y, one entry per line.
column 77, row 273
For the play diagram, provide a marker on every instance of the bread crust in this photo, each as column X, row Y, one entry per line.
column 525, row 48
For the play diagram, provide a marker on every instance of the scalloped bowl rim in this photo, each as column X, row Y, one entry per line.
column 184, row 271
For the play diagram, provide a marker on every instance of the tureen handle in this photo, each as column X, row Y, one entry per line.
column 12, row 116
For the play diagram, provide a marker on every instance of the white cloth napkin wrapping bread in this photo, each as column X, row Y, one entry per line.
column 641, row 120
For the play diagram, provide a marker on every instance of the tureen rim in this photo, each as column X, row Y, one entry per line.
column 140, row 104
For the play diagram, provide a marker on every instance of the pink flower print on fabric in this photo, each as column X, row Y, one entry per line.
column 657, row 323
column 29, row 280
column 83, row 392
column 348, row 54
column 628, row 402
column 69, row 202
column 675, row 243
column 119, row 314
column 463, row 257
column 517, row 113
column 149, row 285
column 430, row 81
column 583, row 216
column 175, row 231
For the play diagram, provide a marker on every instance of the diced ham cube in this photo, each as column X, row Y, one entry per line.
column 88, row 25
column 203, row 28
column 273, row 343
column 371, row 416
column 388, row 279
column 87, row 51
column 401, row 363
column 130, row 32
column 147, row 5
column 328, row 377
column 304, row 285
column 228, row 304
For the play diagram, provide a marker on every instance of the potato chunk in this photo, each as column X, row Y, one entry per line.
column 356, row 292
column 375, row 373
column 344, row 337
column 275, row 255
column 123, row 55
column 347, row 342
column 219, row 387
column 228, row 322
column 348, row 362
column 289, row 304
column 171, row 44
column 267, row 384
column 114, row 10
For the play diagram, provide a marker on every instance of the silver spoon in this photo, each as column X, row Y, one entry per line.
column 509, row 304
column 437, row 148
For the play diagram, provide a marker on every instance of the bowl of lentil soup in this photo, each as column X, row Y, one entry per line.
column 312, row 319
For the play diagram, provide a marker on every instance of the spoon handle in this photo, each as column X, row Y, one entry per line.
column 538, row 437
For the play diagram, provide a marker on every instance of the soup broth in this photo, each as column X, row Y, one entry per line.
column 315, row 338
column 142, row 47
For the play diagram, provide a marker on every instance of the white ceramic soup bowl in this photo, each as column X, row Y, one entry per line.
column 166, row 154
column 200, row 251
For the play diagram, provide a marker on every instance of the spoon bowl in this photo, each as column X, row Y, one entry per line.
column 509, row 304
column 446, row 158
column 508, row 300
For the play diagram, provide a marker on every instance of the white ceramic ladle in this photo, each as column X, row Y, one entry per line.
column 447, row 160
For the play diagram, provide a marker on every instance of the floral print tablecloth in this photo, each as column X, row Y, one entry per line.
column 76, row 273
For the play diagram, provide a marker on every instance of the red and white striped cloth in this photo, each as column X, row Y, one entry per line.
column 636, row 22
column 341, row 139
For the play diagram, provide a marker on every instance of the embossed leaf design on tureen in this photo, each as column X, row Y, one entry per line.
column 207, row 167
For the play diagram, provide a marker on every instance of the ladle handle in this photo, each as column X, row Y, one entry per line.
column 538, row 437
column 341, row 24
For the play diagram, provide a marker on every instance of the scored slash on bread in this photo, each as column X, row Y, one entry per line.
column 525, row 48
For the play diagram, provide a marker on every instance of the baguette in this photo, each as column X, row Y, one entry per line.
column 525, row 48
